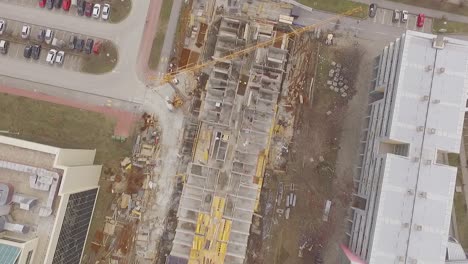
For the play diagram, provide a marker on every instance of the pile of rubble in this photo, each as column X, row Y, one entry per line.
column 126, row 234
column 337, row 82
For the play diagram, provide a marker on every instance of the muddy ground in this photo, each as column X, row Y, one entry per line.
column 321, row 162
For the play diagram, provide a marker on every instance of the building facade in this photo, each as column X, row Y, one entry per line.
column 47, row 198
column 403, row 197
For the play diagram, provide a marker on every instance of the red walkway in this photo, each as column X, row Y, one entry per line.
column 124, row 119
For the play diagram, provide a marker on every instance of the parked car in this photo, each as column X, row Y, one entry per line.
column 79, row 45
column 372, row 10
column 2, row 26
column 60, row 56
column 421, row 18
column 27, row 51
column 41, row 35
column 72, row 42
column 81, row 7
column 4, row 44
column 96, row 10
column 88, row 9
column 106, row 11
column 36, row 51
column 51, row 56
column 42, row 3
column 88, row 46
column 97, row 47
column 50, row 4
column 49, row 35
column 404, row 16
column 396, row 15
column 25, row 31
column 58, row 4
column 66, row 5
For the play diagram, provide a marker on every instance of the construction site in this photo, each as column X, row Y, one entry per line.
column 267, row 108
column 258, row 178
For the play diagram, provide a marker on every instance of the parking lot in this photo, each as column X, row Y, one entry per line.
column 385, row 17
column 72, row 12
column 72, row 61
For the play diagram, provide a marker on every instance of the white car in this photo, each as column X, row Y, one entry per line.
column 25, row 31
column 60, row 56
column 105, row 11
column 51, row 56
column 404, row 16
column 96, row 10
column 49, row 36
column 2, row 26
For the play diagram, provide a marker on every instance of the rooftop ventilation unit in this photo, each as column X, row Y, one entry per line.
column 422, row 195
column 429, row 68
column 436, row 101
column 428, row 162
column 405, row 225
column 413, row 261
column 441, row 70
column 438, row 42
column 418, row 227
column 432, row 131
column 416, row 159
column 425, row 98
column 410, row 192
column 420, row 128
column 401, row 259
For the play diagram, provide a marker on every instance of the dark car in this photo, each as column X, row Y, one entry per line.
column 88, row 9
column 41, row 35
column 81, row 6
column 58, row 4
column 372, row 10
column 79, row 45
column 72, row 42
column 318, row 258
column 27, row 51
column 88, row 46
column 50, row 4
column 36, row 51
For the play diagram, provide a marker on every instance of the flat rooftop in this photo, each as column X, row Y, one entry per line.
column 40, row 226
column 415, row 202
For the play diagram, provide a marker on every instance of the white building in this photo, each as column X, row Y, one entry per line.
column 47, row 197
column 404, row 193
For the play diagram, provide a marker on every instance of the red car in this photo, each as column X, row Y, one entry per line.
column 421, row 18
column 66, row 5
column 88, row 9
column 42, row 3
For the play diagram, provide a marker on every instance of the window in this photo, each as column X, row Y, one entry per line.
column 28, row 259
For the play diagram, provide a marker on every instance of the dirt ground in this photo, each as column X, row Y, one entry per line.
column 321, row 160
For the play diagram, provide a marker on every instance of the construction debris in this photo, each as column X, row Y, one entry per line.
column 124, row 234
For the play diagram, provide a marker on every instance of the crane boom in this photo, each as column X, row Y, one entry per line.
column 169, row 76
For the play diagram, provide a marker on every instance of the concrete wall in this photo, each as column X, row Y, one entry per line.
column 78, row 179
column 55, row 232
column 75, row 157
column 28, row 145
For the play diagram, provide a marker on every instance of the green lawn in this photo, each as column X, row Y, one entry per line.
column 158, row 41
column 119, row 10
column 102, row 63
column 444, row 26
column 438, row 5
column 338, row 6
column 60, row 126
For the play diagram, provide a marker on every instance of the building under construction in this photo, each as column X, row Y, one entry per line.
column 224, row 179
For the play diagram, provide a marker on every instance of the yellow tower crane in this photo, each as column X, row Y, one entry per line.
column 169, row 77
